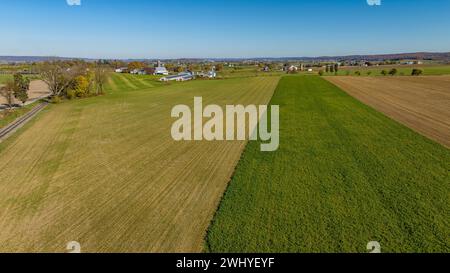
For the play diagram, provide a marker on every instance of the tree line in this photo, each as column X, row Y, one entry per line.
column 70, row 81
column 384, row 72
column 15, row 89
column 65, row 79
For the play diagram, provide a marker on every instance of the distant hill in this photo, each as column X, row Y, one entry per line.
column 434, row 56
column 30, row 59
column 445, row 56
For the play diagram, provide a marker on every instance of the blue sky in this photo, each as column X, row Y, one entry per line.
column 221, row 28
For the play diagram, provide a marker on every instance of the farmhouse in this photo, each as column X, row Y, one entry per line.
column 291, row 68
column 121, row 70
column 211, row 74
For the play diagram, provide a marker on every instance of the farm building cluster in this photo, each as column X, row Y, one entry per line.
column 161, row 70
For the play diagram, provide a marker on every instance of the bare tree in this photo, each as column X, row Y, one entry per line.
column 100, row 77
column 58, row 76
column 7, row 92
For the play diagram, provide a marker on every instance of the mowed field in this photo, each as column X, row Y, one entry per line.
column 344, row 175
column 421, row 103
column 105, row 171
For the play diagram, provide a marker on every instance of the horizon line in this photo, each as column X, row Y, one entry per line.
column 229, row 58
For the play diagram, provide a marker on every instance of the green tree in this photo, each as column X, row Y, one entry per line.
column 7, row 92
column 336, row 67
column 21, row 87
column 90, row 77
column 416, row 72
column 393, row 72
column 384, row 72
column 320, row 72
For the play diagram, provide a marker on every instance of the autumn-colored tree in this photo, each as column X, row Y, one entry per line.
column 193, row 67
column 170, row 67
column 136, row 65
column 118, row 64
column 178, row 69
column 219, row 67
column 81, row 85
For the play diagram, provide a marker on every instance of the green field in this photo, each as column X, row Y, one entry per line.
column 246, row 71
column 344, row 175
column 428, row 70
column 4, row 78
column 128, row 82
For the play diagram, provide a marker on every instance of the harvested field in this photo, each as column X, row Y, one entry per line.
column 421, row 103
column 105, row 171
column 38, row 89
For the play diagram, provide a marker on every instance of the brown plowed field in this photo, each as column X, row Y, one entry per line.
column 421, row 103
column 37, row 89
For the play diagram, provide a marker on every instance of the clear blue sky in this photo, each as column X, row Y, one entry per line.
column 221, row 28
